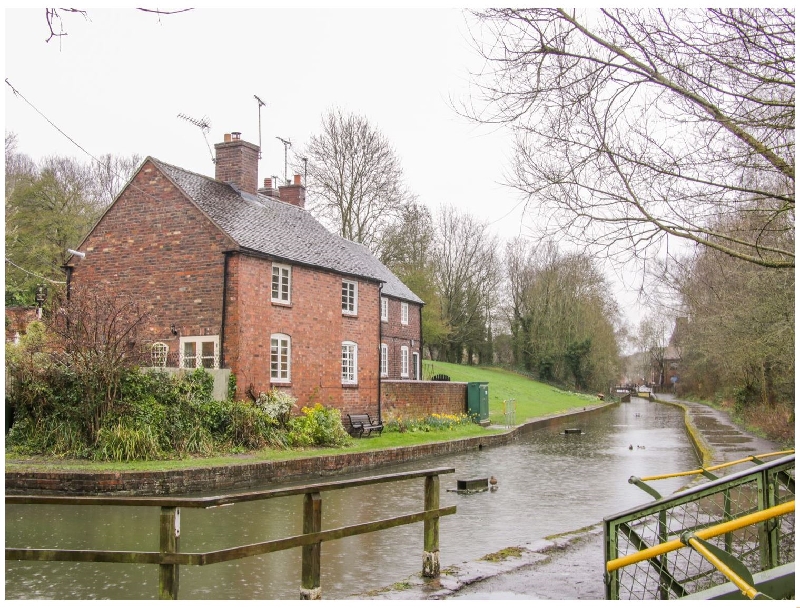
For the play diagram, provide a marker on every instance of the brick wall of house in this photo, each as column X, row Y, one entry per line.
column 315, row 323
column 17, row 320
column 417, row 399
column 155, row 244
column 396, row 335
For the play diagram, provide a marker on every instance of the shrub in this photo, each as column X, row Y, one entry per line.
column 320, row 426
column 121, row 441
column 251, row 428
column 277, row 405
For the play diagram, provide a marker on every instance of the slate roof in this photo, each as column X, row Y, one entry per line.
column 275, row 228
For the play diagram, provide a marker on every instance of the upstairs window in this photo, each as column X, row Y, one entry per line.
column 280, row 358
column 199, row 351
column 349, row 297
column 281, row 283
column 404, row 313
column 349, row 363
column 384, row 309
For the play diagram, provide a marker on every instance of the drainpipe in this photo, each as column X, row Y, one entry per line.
column 224, row 310
column 421, row 344
column 380, row 340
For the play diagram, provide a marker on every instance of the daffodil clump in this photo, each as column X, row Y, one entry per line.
column 431, row 422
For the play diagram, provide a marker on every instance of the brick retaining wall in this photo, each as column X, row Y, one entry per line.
column 416, row 399
column 247, row 475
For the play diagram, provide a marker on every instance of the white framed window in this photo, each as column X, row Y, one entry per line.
column 349, row 363
column 384, row 309
column 404, row 313
column 415, row 364
column 349, row 297
column 281, row 283
column 199, row 351
column 404, row 361
column 280, row 358
column 158, row 354
column 384, row 360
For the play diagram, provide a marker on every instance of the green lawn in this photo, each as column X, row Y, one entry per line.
column 533, row 399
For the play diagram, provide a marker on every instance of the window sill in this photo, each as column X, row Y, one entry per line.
column 349, row 314
column 350, row 385
column 280, row 303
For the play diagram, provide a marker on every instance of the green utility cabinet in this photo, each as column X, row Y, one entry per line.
column 478, row 402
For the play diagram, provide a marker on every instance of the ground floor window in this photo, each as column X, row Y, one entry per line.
column 280, row 358
column 349, row 363
column 384, row 360
column 199, row 351
column 404, row 361
column 415, row 359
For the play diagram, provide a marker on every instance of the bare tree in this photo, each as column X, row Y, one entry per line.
column 635, row 125
column 99, row 332
column 55, row 22
column 467, row 279
column 355, row 181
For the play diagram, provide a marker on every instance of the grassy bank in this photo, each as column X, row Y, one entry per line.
column 533, row 400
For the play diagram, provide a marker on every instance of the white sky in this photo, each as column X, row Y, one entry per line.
column 118, row 80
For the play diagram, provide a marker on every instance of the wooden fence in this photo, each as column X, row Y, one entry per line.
column 169, row 558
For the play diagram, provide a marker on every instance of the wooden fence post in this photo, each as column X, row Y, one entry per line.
column 170, row 532
column 312, row 522
column 430, row 553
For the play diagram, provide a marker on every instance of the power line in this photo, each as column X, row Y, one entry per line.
column 38, row 276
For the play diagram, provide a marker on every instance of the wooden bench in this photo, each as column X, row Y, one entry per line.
column 361, row 425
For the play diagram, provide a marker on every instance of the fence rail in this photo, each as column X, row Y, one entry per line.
column 636, row 570
column 169, row 557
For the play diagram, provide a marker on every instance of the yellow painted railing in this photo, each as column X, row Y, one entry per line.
column 711, row 532
column 715, row 467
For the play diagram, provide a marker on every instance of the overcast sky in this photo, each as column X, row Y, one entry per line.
column 119, row 78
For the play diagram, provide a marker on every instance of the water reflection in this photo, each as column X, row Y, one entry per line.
column 549, row 482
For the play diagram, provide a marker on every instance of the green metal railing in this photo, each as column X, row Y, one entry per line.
column 169, row 557
column 758, row 547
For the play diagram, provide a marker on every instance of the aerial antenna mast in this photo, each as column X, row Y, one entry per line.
column 287, row 143
column 260, row 104
column 205, row 127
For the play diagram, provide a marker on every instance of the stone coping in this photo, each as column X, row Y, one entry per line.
column 234, row 477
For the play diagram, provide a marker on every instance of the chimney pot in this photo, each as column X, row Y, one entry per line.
column 227, row 138
column 268, row 182
column 236, row 135
column 297, row 179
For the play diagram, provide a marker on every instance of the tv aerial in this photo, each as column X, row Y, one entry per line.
column 287, row 143
column 260, row 105
column 205, row 127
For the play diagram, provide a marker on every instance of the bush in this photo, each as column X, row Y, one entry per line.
column 250, row 427
column 277, row 405
column 318, row 426
column 120, row 442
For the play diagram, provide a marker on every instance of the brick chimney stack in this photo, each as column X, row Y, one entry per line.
column 237, row 162
column 294, row 193
column 269, row 188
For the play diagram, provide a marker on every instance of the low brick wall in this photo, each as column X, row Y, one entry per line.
column 248, row 475
column 418, row 398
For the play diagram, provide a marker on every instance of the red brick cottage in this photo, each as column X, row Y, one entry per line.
column 246, row 279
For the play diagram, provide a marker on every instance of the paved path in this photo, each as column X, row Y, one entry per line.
column 571, row 566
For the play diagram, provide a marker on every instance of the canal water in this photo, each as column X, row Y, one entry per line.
column 548, row 482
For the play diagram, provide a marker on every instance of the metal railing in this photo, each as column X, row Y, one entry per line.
column 636, row 571
column 510, row 412
column 169, row 558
